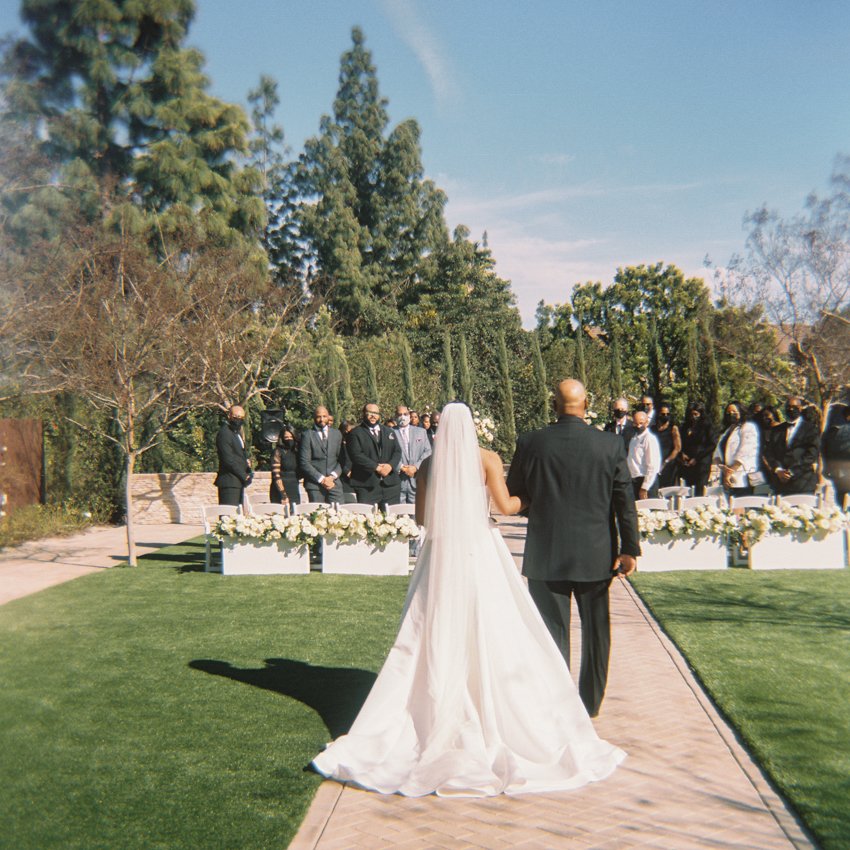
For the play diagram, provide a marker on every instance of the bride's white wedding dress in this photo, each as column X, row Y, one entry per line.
column 474, row 698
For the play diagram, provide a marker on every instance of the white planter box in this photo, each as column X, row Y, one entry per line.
column 258, row 558
column 698, row 553
column 784, row 552
column 365, row 559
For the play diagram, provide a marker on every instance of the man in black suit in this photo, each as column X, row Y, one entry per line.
column 796, row 452
column 234, row 468
column 375, row 455
column 320, row 459
column 621, row 423
column 577, row 483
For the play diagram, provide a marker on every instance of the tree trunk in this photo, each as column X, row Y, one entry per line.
column 128, row 503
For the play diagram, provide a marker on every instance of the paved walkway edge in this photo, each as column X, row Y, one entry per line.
column 318, row 815
column 787, row 821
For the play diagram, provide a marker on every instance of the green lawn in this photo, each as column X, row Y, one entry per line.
column 162, row 707
column 773, row 650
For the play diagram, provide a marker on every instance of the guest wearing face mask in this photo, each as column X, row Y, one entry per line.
column 670, row 440
column 284, row 486
column 234, row 468
column 796, row 452
column 621, row 423
column 647, row 405
column 698, row 442
column 737, row 454
column 415, row 447
column 644, row 458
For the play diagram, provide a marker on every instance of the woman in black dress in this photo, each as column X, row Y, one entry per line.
column 698, row 442
column 285, row 469
column 670, row 440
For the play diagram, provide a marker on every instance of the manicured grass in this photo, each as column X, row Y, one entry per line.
column 773, row 650
column 162, row 707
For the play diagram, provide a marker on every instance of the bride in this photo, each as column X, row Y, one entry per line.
column 474, row 698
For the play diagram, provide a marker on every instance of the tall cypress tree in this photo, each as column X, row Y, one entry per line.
column 372, row 394
column 508, row 424
column 616, row 363
column 465, row 374
column 448, row 370
column 406, row 372
column 710, row 379
column 581, row 362
column 125, row 112
column 542, row 382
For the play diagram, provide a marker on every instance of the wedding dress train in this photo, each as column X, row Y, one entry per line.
column 474, row 698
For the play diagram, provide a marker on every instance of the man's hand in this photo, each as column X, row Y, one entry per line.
column 643, row 494
column 383, row 469
column 409, row 471
column 783, row 475
column 328, row 482
column 624, row 566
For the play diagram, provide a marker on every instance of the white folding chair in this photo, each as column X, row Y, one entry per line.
column 309, row 507
column 652, row 505
column 409, row 510
column 359, row 508
column 798, row 499
column 699, row 501
column 210, row 513
column 716, row 490
column 269, row 508
column 675, row 490
column 748, row 502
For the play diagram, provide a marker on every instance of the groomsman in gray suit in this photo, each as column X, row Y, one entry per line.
column 415, row 447
column 320, row 458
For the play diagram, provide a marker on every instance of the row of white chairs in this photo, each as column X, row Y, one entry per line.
column 718, row 499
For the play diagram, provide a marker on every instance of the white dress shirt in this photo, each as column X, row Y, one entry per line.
column 644, row 458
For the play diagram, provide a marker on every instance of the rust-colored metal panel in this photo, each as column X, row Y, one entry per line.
column 21, row 462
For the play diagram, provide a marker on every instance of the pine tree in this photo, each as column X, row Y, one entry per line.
column 710, row 379
column 581, row 362
column 508, row 423
column 124, row 110
column 616, row 363
column 542, row 388
column 693, row 362
column 372, row 394
column 374, row 218
column 407, row 372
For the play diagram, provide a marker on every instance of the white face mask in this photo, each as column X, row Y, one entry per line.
column 403, row 420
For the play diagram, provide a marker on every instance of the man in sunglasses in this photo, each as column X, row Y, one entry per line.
column 621, row 423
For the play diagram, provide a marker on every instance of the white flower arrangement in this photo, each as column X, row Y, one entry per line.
column 485, row 428
column 701, row 521
column 297, row 530
column 802, row 522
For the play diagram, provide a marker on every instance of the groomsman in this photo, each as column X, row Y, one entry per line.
column 234, row 468
column 621, row 424
column 415, row 447
column 375, row 457
column 797, row 448
column 320, row 459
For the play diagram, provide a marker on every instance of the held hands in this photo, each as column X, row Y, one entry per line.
column 383, row 469
column 624, row 566
column 328, row 482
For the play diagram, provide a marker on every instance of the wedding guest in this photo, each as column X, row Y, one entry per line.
column 425, row 423
column 698, row 442
column 797, row 450
column 620, row 422
column 284, row 463
column 414, row 418
column 836, row 451
column 415, row 447
column 644, row 458
column 670, row 440
column 345, row 427
column 736, row 456
column 769, row 453
column 234, row 468
column 320, row 459
column 647, row 405
column 375, row 455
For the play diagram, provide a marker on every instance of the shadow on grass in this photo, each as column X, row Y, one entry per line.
column 335, row 693
column 183, row 561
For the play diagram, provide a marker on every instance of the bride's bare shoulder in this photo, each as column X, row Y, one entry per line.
column 489, row 458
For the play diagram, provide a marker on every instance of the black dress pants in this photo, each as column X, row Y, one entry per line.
column 230, row 495
column 553, row 601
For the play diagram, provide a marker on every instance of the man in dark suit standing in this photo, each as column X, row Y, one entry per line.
column 582, row 529
column 621, row 423
column 796, row 450
column 234, row 468
column 375, row 455
column 320, row 459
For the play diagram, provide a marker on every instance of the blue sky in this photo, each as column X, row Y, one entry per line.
column 581, row 136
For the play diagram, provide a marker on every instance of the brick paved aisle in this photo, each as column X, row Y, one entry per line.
column 686, row 783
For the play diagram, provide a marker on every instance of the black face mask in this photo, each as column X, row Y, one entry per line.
column 235, row 424
column 792, row 413
column 619, row 414
column 663, row 418
column 729, row 419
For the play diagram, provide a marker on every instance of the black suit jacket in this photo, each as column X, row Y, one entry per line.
column 580, row 492
column 365, row 456
column 317, row 458
column 233, row 468
column 627, row 433
column 800, row 457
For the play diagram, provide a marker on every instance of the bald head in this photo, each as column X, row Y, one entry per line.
column 570, row 398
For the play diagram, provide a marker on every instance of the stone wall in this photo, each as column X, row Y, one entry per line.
column 179, row 496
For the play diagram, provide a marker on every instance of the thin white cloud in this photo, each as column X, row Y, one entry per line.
column 409, row 26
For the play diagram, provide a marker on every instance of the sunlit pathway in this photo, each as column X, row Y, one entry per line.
column 686, row 784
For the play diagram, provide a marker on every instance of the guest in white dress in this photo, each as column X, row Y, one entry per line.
column 475, row 698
